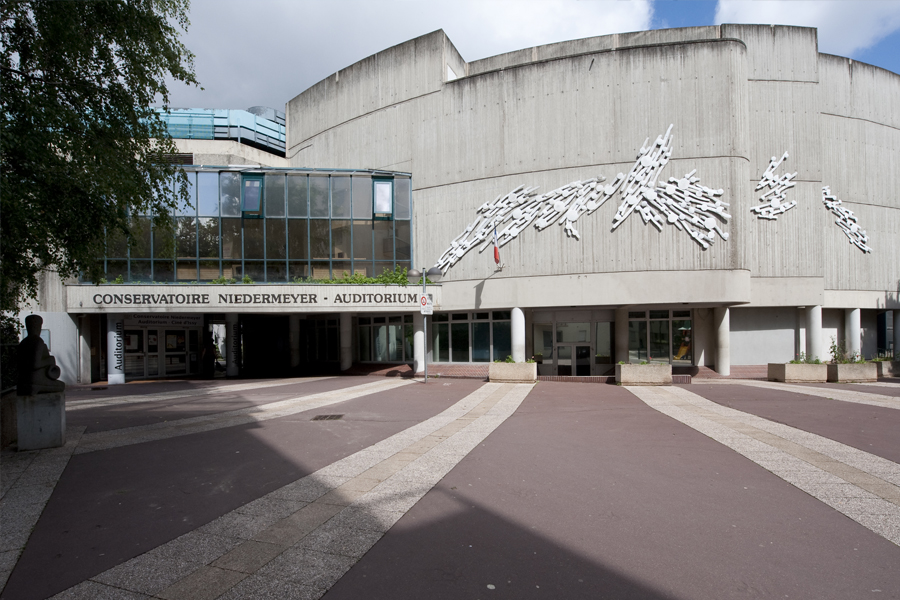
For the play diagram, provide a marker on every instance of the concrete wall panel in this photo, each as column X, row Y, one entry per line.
column 762, row 335
column 778, row 52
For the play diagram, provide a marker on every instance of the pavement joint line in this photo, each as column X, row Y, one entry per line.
column 836, row 474
column 345, row 515
column 104, row 440
column 22, row 503
column 222, row 389
column 831, row 393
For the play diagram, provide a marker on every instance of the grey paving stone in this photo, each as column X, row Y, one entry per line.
column 310, row 488
column 884, row 525
column 307, row 567
column 196, row 547
column 864, row 506
column 207, row 583
column 395, row 496
column 92, row 590
column 366, row 518
column 345, row 541
column 235, row 524
column 272, row 505
column 249, row 557
column 14, row 538
column 147, row 573
column 836, row 491
column 259, row 587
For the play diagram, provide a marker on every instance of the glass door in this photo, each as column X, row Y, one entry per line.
column 582, row 361
column 134, row 353
column 564, row 360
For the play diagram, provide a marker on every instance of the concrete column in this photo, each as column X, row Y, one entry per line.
column 621, row 334
column 346, row 341
column 419, row 343
column 853, row 330
column 84, row 349
column 722, row 323
column 814, row 347
column 232, row 345
column 896, row 312
column 294, row 328
column 518, row 335
column 115, row 349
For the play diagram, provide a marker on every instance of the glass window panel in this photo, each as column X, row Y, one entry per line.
column 637, row 314
column 274, row 195
column 381, row 267
column 682, row 343
column 140, row 237
column 340, row 269
column 384, row 198
column 395, row 347
column 208, row 194
column 253, row 239
column 186, row 237
column 116, row 268
column 189, row 208
column 116, row 243
column 365, row 320
column 365, row 343
column 141, row 270
column 573, row 332
column 380, row 334
column 384, row 240
column 681, row 313
column 320, row 270
column 408, row 341
column 208, row 234
column 231, row 270
column 340, row 239
column 296, row 195
column 502, row 340
column 402, row 196
column 542, row 341
column 231, row 238
column 318, row 196
column 163, row 271
column 501, row 315
column 298, row 239
column 362, row 240
column 298, row 271
column 362, row 197
column 320, row 245
column 163, row 242
column 230, row 188
column 403, row 264
column 276, row 244
column 134, row 341
column 637, row 341
column 175, row 340
column 459, row 317
column 440, row 342
column 276, row 271
column 481, row 342
column 252, row 196
column 340, row 197
column 186, row 270
column 604, row 345
column 363, row 269
column 460, row 341
column 441, row 317
column 379, row 319
column 481, row 316
column 256, row 270
column 659, row 314
column 402, row 239
column 209, row 270
column 395, row 319
column 659, row 342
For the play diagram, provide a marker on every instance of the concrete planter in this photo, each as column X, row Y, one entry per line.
column 513, row 372
column 798, row 373
column 651, row 374
column 888, row 369
column 852, row 372
column 41, row 421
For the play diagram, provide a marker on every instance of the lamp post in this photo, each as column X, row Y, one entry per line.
column 414, row 275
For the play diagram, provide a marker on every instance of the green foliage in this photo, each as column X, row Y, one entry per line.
column 804, row 359
column 840, row 355
column 224, row 280
column 247, row 279
column 119, row 279
column 388, row 277
column 82, row 147
column 509, row 359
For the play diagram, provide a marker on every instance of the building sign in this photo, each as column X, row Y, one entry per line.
column 182, row 299
column 163, row 320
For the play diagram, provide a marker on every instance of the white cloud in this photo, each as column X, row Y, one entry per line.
column 845, row 27
column 268, row 51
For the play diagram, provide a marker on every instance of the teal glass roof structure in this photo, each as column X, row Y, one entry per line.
column 257, row 126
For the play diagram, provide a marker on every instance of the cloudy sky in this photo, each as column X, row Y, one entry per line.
column 265, row 52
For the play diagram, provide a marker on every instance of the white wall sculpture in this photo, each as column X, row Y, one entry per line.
column 683, row 203
column 774, row 199
column 846, row 220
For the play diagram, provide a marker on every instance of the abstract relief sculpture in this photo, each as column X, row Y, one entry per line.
column 846, row 220
column 774, row 199
column 684, row 203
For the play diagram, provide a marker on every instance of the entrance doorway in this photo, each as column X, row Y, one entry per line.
column 151, row 352
column 573, row 359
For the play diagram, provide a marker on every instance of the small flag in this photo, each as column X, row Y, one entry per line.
column 496, row 247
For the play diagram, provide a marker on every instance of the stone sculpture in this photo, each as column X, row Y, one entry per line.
column 682, row 203
column 774, row 202
column 846, row 220
column 38, row 372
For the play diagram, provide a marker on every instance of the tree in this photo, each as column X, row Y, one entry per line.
column 81, row 146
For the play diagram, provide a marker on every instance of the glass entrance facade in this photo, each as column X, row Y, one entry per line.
column 660, row 336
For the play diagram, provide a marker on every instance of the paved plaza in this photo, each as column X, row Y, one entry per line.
column 389, row 488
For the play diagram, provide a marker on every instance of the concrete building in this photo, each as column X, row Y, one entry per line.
column 706, row 197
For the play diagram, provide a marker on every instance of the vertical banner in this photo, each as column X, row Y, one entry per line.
column 115, row 349
column 232, row 345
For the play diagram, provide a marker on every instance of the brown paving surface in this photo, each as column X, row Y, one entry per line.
column 100, row 390
column 112, row 505
column 586, row 492
column 133, row 414
column 869, row 428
